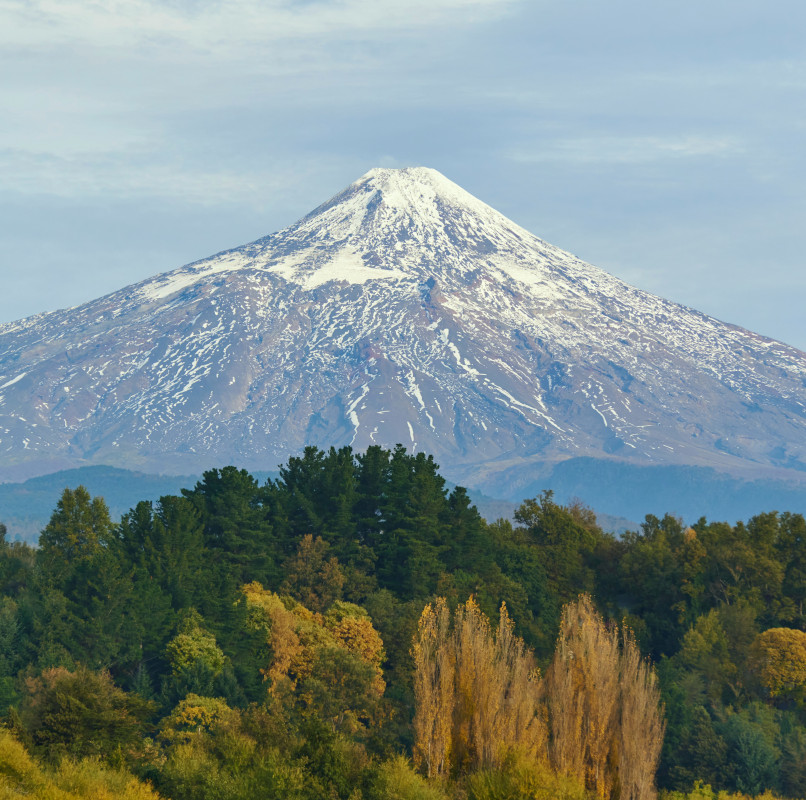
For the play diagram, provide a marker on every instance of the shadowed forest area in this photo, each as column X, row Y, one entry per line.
column 353, row 629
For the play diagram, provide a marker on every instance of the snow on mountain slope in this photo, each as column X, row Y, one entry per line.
column 402, row 310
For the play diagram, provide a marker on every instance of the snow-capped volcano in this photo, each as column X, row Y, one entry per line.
column 402, row 310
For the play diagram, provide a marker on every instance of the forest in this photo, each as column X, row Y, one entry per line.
column 353, row 629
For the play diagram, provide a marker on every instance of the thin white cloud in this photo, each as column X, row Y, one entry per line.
column 95, row 175
column 628, row 149
column 222, row 29
column 99, row 93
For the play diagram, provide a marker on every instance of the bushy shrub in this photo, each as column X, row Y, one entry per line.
column 211, row 754
column 396, row 779
column 22, row 776
column 524, row 779
column 701, row 791
column 81, row 714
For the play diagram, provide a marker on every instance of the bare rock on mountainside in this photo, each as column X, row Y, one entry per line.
column 402, row 310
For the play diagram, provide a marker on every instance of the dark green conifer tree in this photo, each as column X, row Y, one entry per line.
column 85, row 610
column 237, row 526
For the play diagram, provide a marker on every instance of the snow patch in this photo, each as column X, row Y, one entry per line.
column 173, row 282
column 351, row 413
column 600, row 414
column 310, row 269
column 14, row 380
column 411, row 435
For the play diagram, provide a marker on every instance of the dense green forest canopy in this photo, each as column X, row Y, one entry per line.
column 246, row 634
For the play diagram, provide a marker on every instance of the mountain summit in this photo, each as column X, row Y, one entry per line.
column 401, row 310
column 391, row 223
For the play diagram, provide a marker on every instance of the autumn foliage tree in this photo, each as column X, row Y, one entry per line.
column 476, row 692
column 583, row 694
column 330, row 662
column 479, row 699
column 604, row 707
column 641, row 724
column 24, row 775
column 434, row 667
column 778, row 656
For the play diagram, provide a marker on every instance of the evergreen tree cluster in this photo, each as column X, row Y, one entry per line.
column 245, row 640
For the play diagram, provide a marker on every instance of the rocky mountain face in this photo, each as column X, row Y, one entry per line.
column 402, row 310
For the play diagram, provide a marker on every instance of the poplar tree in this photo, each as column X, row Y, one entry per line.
column 641, row 723
column 434, row 669
column 476, row 692
column 604, row 705
column 583, row 694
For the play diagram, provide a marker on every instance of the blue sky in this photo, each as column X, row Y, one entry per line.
column 663, row 141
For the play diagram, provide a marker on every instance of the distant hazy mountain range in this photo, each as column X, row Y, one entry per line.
column 406, row 310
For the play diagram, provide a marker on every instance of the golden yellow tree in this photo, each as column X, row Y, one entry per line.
column 476, row 692
column 523, row 722
column 778, row 656
column 23, row 775
column 433, row 690
column 352, row 628
column 642, row 724
column 604, row 707
column 289, row 655
column 583, row 693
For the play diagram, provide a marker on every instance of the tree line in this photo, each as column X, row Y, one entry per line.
column 353, row 629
